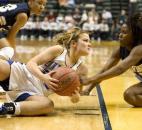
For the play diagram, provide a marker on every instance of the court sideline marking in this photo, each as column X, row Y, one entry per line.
column 107, row 124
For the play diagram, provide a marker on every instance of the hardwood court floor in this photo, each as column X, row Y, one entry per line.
column 122, row 115
column 85, row 115
column 104, row 111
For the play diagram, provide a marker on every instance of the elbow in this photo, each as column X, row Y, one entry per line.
column 24, row 18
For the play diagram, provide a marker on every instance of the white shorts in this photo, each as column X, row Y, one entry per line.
column 23, row 82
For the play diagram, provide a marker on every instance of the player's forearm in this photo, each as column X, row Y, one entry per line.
column 34, row 69
column 11, row 37
column 112, row 72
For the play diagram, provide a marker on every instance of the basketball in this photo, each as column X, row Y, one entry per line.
column 68, row 81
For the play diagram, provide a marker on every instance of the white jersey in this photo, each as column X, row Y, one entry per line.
column 57, row 62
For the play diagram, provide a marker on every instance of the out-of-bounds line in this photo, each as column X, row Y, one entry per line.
column 107, row 124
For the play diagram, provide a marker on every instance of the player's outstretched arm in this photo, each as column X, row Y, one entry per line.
column 21, row 20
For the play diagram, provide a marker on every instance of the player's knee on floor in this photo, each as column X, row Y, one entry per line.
column 7, row 53
column 129, row 96
column 49, row 106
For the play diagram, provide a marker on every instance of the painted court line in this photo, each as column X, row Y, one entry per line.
column 107, row 124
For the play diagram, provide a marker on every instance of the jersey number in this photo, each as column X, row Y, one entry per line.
column 8, row 7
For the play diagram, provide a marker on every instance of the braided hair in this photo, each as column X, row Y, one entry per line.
column 135, row 26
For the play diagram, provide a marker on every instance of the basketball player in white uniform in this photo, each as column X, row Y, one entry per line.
column 29, row 85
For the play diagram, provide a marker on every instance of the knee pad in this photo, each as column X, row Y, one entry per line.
column 7, row 52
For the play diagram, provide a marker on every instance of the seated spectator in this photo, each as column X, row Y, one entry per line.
column 63, row 3
column 69, row 18
column 104, row 30
column 71, row 3
column 44, row 28
column 77, row 16
column 107, row 16
column 122, row 17
column 115, row 29
column 26, row 31
column 84, row 17
column 53, row 28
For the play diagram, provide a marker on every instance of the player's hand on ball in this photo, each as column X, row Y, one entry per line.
column 51, row 82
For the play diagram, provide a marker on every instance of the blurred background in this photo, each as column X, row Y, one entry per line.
column 102, row 18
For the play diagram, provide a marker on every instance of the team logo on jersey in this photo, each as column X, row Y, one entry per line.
column 8, row 7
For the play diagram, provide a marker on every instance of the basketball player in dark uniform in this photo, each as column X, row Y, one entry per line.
column 15, row 16
column 130, row 51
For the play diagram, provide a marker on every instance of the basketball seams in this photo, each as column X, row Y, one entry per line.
column 64, row 76
column 64, row 92
column 68, row 81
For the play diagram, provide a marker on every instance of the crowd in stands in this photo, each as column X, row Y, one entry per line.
column 102, row 26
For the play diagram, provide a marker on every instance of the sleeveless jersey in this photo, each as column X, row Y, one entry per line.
column 57, row 62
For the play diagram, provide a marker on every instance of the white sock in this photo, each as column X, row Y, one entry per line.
column 17, row 108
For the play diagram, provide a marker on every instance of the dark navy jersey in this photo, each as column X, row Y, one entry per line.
column 124, row 52
column 10, row 12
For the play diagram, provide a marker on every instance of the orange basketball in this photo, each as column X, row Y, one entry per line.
column 68, row 81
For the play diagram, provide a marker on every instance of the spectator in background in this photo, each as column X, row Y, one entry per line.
column 63, row 3
column 61, row 22
column 71, row 3
column 104, row 30
column 69, row 18
column 115, row 29
column 122, row 17
column 89, row 25
column 84, row 17
column 26, row 31
column 35, row 28
column 77, row 16
column 53, row 26
column 95, row 15
column 59, row 17
column 51, row 15
column 44, row 28
column 107, row 16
